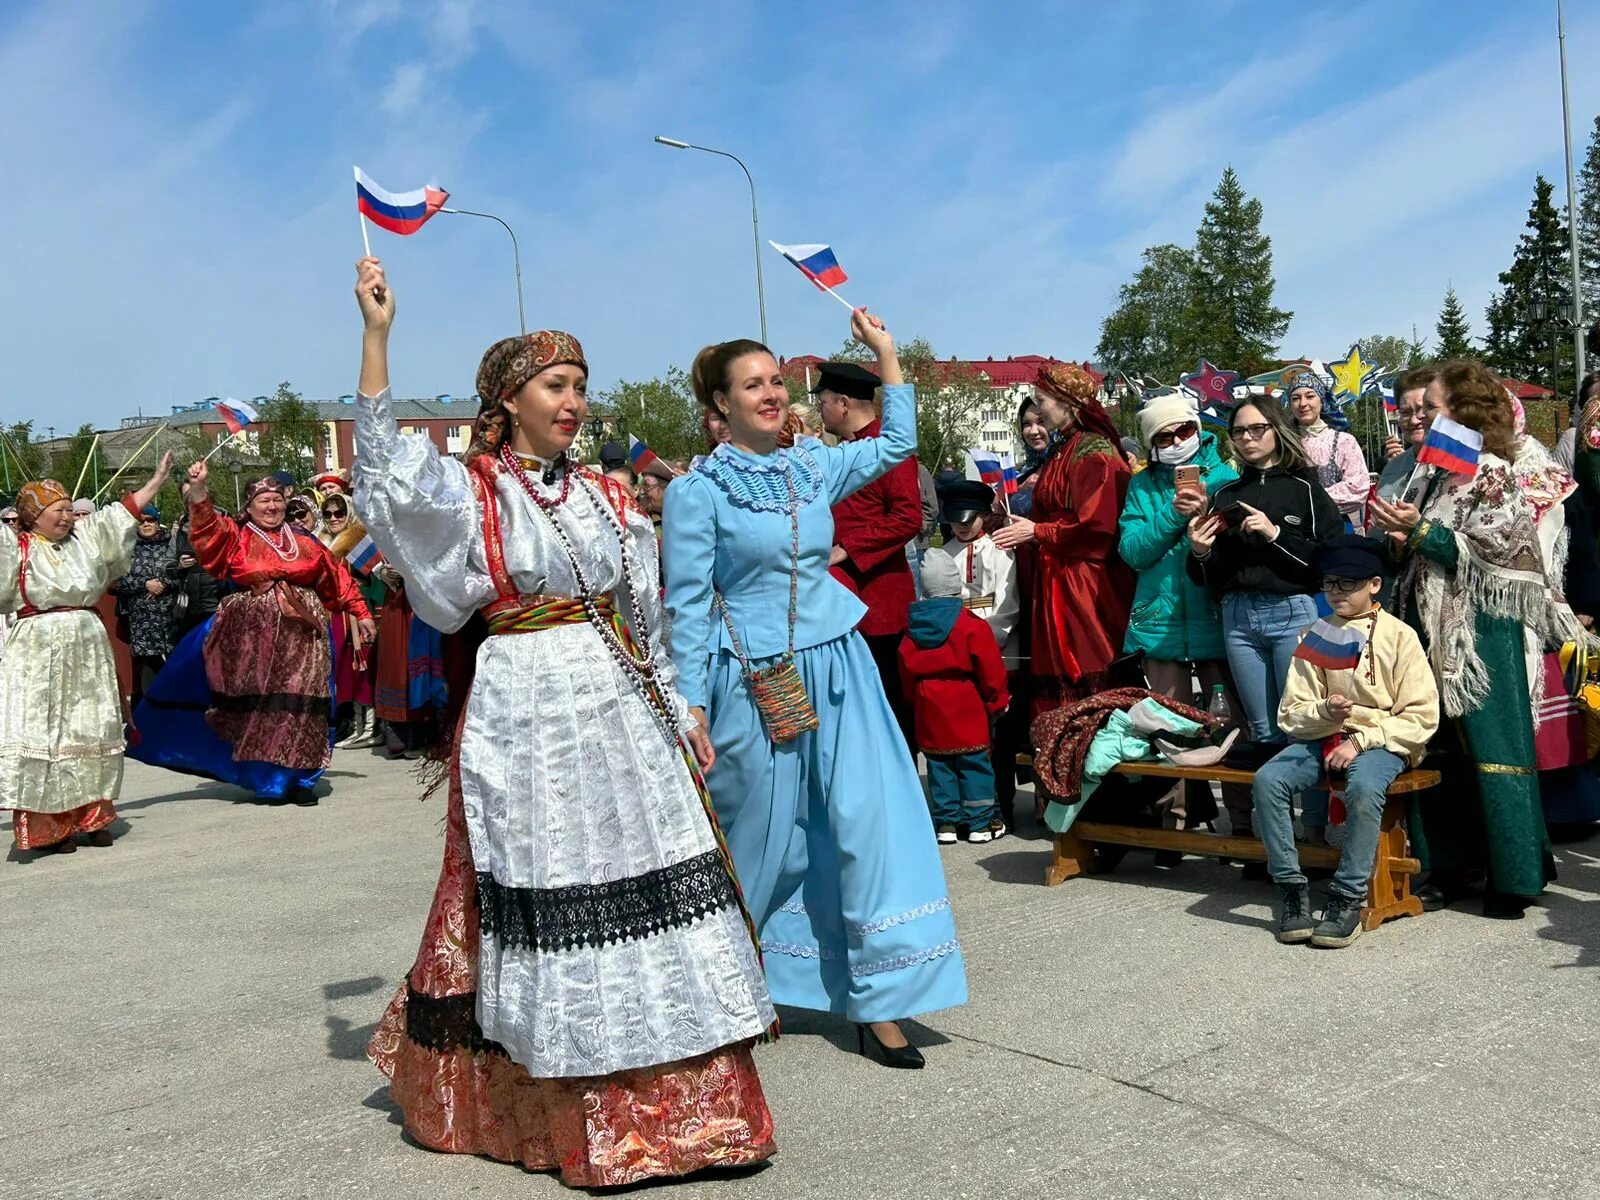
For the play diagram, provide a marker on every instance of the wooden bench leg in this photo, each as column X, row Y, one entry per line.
column 1389, row 893
column 1070, row 856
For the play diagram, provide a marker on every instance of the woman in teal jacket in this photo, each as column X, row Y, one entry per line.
column 1175, row 623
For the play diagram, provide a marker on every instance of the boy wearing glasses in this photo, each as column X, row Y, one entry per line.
column 1360, row 702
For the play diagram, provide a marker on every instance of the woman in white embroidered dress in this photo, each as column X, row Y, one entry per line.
column 60, row 708
column 587, row 931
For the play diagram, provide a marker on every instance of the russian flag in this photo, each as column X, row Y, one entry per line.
column 1008, row 474
column 1332, row 647
column 1451, row 445
column 640, row 457
column 364, row 556
column 1386, row 390
column 816, row 263
column 398, row 212
column 989, row 469
column 236, row 414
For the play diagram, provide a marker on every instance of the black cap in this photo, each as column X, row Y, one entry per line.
column 1350, row 556
column 612, row 455
column 963, row 499
column 284, row 478
column 847, row 379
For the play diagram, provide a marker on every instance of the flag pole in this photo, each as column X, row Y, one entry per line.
column 107, row 485
column 84, row 470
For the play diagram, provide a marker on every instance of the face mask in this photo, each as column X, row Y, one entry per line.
column 1179, row 453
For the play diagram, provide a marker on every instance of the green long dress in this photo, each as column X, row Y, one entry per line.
column 1487, row 814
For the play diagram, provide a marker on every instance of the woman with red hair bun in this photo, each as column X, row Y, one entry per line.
column 1082, row 590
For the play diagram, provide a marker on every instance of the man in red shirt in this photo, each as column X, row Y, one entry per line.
column 872, row 527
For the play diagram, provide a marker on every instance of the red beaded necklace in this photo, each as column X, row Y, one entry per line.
column 514, row 465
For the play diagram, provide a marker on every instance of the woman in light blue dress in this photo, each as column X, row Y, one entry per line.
column 828, row 825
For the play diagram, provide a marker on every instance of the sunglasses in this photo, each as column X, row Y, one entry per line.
column 1250, row 433
column 1168, row 437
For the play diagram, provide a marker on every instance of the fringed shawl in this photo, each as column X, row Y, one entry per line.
column 1500, row 571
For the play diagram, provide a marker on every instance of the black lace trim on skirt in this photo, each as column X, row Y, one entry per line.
column 598, row 914
column 446, row 1023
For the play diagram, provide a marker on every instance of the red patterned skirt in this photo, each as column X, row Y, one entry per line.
column 462, row 1095
column 35, row 830
column 268, row 673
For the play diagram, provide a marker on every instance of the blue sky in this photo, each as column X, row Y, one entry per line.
column 182, row 218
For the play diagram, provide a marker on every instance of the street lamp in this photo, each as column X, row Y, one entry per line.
column 1559, row 316
column 755, row 219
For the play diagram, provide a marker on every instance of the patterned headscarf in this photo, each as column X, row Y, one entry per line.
column 257, row 487
column 1332, row 414
column 1070, row 383
column 35, row 497
column 506, row 366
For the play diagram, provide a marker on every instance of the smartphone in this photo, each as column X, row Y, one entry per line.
column 1232, row 516
column 1186, row 477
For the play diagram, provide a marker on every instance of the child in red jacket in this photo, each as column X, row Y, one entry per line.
column 955, row 683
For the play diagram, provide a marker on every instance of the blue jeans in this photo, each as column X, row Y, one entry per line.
column 962, row 788
column 1299, row 767
column 1260, row 631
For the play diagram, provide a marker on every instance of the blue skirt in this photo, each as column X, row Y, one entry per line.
column 170, row 728
column 833, row 845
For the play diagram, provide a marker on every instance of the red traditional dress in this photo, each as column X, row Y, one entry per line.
column 872, row 527
column 267, row 656
column 1083, row 591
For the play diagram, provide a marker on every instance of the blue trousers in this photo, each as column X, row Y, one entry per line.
column 962, row 789
column 832, row 844
column 1297, row 768
column 1261, row 631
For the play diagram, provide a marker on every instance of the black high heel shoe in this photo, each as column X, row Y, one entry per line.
column 901, row 1058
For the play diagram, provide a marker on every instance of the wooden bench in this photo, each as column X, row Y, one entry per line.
column 1388, row 893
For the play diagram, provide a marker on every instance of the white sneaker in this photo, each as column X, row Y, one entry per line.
column 992, row 833
column 946, row 835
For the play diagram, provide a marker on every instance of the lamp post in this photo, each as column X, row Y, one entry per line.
column 1551, row 318
column 516, row 254
column 755, row 219
column 1578, row 348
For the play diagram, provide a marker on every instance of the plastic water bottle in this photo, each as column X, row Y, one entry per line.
column 1219, row 706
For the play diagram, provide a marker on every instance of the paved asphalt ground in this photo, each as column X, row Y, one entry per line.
column 184, row 1016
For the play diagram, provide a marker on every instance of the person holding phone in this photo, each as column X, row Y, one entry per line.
column 1174, row 623
column 1253, row 549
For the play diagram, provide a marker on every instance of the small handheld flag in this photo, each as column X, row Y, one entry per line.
column 364, row 556
column 1008, row 474
column 1332, row 647
column 398, row 212
column 817, row 263
column 640, row 457
column 1451, row 446
column 988, row 465
column 236, row 414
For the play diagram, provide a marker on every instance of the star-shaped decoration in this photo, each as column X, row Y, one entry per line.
column 1211, row 385
column 1352, row 376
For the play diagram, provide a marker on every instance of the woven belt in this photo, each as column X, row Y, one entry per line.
column 533, row 614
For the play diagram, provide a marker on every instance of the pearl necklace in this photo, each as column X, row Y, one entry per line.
column 288, row 553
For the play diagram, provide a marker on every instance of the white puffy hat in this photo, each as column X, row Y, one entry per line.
column 1171, row 408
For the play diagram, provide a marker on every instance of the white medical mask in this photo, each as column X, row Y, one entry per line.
column 1179, row 453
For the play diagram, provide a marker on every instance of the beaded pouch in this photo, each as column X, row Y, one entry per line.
column 779, row 692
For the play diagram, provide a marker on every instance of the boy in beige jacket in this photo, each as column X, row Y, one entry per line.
column 1360, row 701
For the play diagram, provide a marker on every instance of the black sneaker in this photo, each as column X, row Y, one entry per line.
column 1294, row 913
column 1340, row 924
